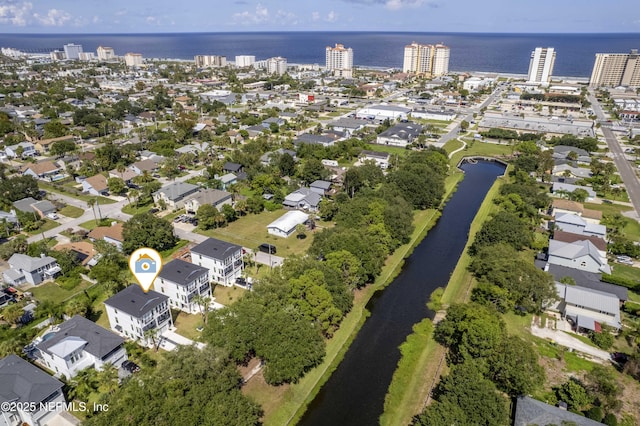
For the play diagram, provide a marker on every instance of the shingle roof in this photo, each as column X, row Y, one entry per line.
column 27, row 263
column 44, row 206
column 216, row 249
column 209, row 196
column 569, row 237
column 177, row 190
column 530, row 411
column 24, row 205
column 403, row 131
column 574, row 250
column 78, row 332
column 587, row 279
column 41, row 168
column 97, row 182
column 133, row 301
column 181, row 272
column 24, row 382
column 145, row 165
column 114, row 232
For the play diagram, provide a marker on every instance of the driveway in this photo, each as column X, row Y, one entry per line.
column 269, row 259
column 563, row 339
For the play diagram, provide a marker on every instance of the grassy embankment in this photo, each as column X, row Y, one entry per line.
column 286, row 404
column 422, row 358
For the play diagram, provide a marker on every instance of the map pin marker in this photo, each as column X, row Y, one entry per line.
column 145, row 265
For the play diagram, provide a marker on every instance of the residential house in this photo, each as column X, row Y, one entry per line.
column 564, row 152
column 44, row 145
column 401, row 134
column 95, row 185
column 227, row 180
column 222, row 259
column 148, row 165
column 268, row 158
column 585, row 279
column 320, row 186
column 569, row 237
column 561, row 206
column 533, row 412
column 213, row 197
column 25, row 204
column 348, row 125
column 272, row 120
column 84, row 252
column 43, row 208
column 560, row 188
column 577, row 225
column 9, row 217
column 137, row 315
column 126, row 175
column 230, row 167
column 23, row 384
column 588, row 309
column 381, row 159
column 286, row 224
column 28, row 150
column 44, row 170
column 304, row 199
column 175, row 193
column 111, row 234
column 579, row 255
column 77, row 344
column 308, row 138
column 32, row 270
column 568, row 170
column 182, row 282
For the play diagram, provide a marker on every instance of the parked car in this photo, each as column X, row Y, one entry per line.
column 154, row 210
column 267, row 248
column 52, row 216
column 130, row 366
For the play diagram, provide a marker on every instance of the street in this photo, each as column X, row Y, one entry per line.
column 625, row 168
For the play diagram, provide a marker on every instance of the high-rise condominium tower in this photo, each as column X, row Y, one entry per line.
column 209, row 61
column 426, row 59
column 616, row 69
column 541, row 65
column 105, row 53
column 339, row 58
column 72, row 51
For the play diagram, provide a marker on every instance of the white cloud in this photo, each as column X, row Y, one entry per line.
column 14, row 13
column 53, row 18
column 332, row 16
column 399, row 4
column 315, row 16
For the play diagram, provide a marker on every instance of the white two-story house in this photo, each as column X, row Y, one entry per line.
column 32, row 270
column 182, row 282
column 222, row 259
column 23, row 383
column 78, row 344
column 133, row 313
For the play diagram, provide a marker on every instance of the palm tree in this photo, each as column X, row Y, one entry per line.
column 203, row 302
column 152, row 334
column 92, row 203
column 135, row 194
column 108, row 378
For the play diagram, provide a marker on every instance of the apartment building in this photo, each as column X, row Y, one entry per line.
column 210, row 61
column 72, row 51
column 427, row 59
column 616, row 69
column 105, row 53
column 339, row 60
column 541, row 65
column 133, row 59
column 222, row 259
column 277, row 65
column 245, row 61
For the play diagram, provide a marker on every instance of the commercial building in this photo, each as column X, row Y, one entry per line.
column 245, row 61
column 105, row 53
column 133, row 59
column 72, row 51
column 541, row 65
column 339, row 60
column 277, row 65
column 616, row 69
column 209, row 61
column 428, row 59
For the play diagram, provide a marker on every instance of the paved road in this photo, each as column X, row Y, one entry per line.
column 625, row 168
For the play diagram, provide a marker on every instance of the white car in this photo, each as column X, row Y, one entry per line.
column 52, row 216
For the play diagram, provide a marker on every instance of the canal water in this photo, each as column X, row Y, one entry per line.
column 354, row 394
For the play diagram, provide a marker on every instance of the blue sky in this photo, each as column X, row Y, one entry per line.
column 152, row 16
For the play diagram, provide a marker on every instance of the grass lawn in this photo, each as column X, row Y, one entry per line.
column 631, row 229
column 452, row 145
column 518, row 325
column 608, row 209
column 186, row 325
column 251, row 231
column 71, row 211
column 140, row 208
column 66, row 191
column 46, row 226
column 386, row 148
column 626, row 272
column 90, row 224
column 227, row 295
column 166, row 254
column 482, row 149
column 51, row 291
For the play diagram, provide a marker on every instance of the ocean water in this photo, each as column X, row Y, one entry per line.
column 505, row 53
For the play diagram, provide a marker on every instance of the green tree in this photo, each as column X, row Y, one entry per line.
column 301, row 231
column 12, row 314
column 147, row 230
column 63, row 147
column 504, row 227
column 286, row 165
column 574, row 394
column 206, row 216
column 17, row 188
column 54, row 129
column 514, row 367
column 116, row 185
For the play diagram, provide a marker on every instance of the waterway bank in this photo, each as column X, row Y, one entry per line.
column 419, row 370
column 291, row 404
column 354, row 394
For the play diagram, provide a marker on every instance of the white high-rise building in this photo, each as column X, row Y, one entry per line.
column 72, row 51
column 277, row 65
column 339, row 58
column 208, row 61
column 426, row 59
column 541, row 65
column 86, row 56
column 245, row 61
column 616, row 69
column 105, row 53
column 133, row 59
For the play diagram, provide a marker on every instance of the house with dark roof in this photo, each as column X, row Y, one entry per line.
column 222, row 259
column 25, row 204
column 381, row 159
column 175, row 193
column 230, row 167
column 24, row 383
column 533, row 412
column 182, row 282
column 213, row 197
column 303, row 199
column 43, row 208
column 308, row 138
column 137, row 315
column 77, row 344
column 32, row 270
column 320, row 186
column 401, row 134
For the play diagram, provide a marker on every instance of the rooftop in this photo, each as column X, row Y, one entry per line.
column 21, row 381
column 216, row 249
column 133, row 301
column 181, row 272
